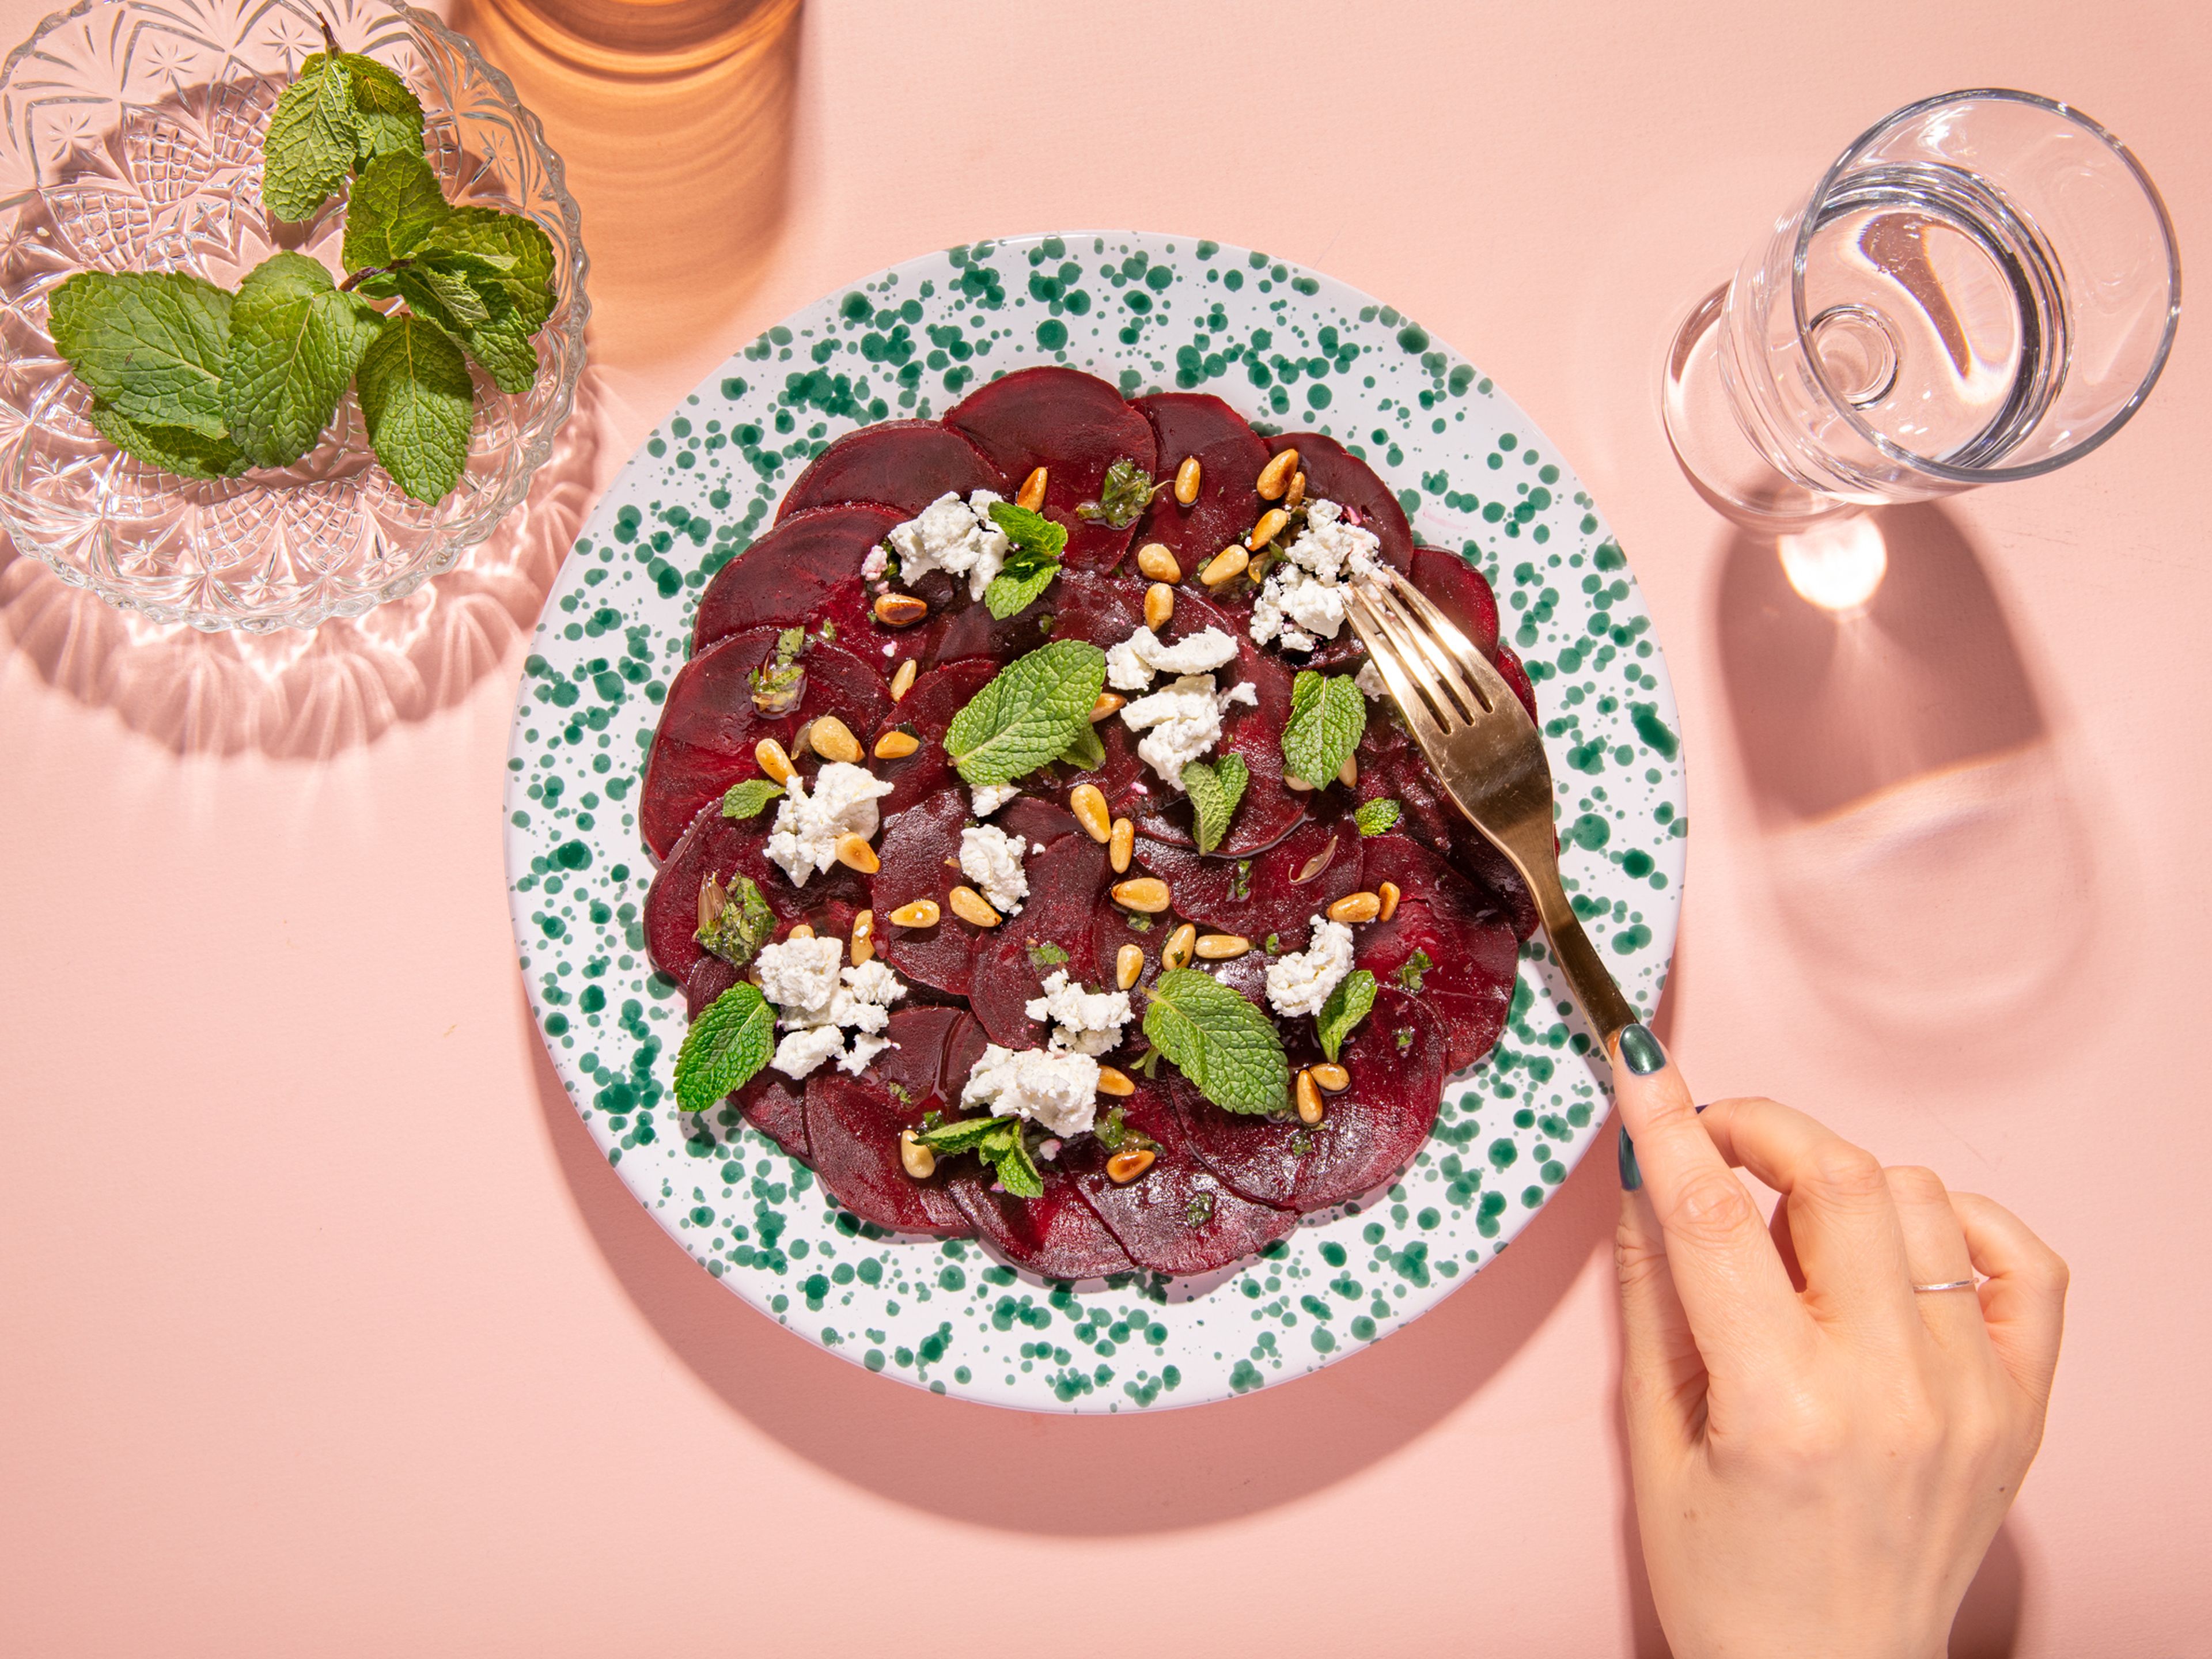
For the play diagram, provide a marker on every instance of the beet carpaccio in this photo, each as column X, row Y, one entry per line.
column 1039, row 860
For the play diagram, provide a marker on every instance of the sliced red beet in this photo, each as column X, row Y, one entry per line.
column 776, row 1106
column 937, row 695
column 1055, row 1236
column 905, row 464
column 1334, row 473
column 1193, row 425
column 1366, row 1135
column 1516, row 675
column 1263, row 894
column 920, row 854
column 1178, row 1217
column 1075, row 426
column 1451, row 942
column 1456, row 588
column 708, row 726
column 807, row 568
column 854, row 1123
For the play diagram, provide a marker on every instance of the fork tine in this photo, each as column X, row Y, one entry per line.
column 1489, row 685
column 1438, row 657
column 1398, row 673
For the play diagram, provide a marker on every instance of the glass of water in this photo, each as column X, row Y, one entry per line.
column 1983, row 287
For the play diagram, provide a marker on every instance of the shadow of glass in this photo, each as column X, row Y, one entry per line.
column 1930, row 866
column 1110, row 1476
column 308, row 695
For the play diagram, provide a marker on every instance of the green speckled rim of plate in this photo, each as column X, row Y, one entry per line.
column 1294, row 351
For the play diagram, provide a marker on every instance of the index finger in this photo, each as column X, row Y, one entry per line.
column 1734, row 1290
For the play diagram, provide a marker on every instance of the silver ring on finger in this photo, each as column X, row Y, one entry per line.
column 1947, row 1285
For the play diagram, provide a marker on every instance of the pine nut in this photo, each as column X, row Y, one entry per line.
column 1155, row 561
column 1270, row 526
column 863, row 936
column 899, row 610
column 1031, row 494
column 896, row 745
column 1119, row 848
column 1128, row 965
column 903, row 681
column 1388, row 892
column 1298, row 784
column 1148, row 894
column 1356, row 907
column 1223, row 947
column 921, row 1163
column 1309, row 1099
column 922, row 912
column 1296, row 494
column 768, row 754
column 854, row 853
column 1348, row 774
column 831, row 738
column 1186, row 480
column 1319, row 862
column 1125, row 1165
column 1159, row 605
column 1089, row 806
column 801, row 930
column 1330, row 1076
column 1226, row 567
column 1109, row 703
column 1175, row 953
column 1275, row 476
column 1115, row 1082
column 970, row 906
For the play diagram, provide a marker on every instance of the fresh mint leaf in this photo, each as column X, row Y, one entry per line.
column 961, row 1135
column 1377, row 816
column 451, row 290
column 1214, row 789
column 1328, row 714
column 419, row 403
column 725, row 1045
column 151, row 345
column 1087, row 753
column 312, row 141
column 1028, row 713
column 1224, row 1046
column 745, row 800
column 1017, row 1172
column 171, row 448
column 387, row 117
column 1123, row 495
column 472, row 305
column 295, row 343
column 1029, row 531
column 1413, row 970
column 396, row 204
column 492, row 234
column 1012, row 592
column 1346, row 1007
column 1032, row 565
column 734, row 921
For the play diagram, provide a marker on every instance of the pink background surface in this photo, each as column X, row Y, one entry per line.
column 323, row 1330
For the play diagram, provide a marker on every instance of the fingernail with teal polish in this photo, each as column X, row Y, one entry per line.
column 1641, row 1050
column 1632, row 1177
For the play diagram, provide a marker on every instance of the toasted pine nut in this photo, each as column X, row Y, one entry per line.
column 1155, row 561
column 903, row 681
column 1031, row 494
column 1125, row 1165
column 1309, row 1099
column 921, row 1163
column 1186, row 480
column 1223, row 947
column 899, row 610
column 922, row 912
column 1107, row 704
column 1356, row 907
column 863, row 936
column 1226, row 567
column 1270, row 526
column 1319, row 862
column 1298, row 784
column 1296, row 494
column 1146, row 893
column 1388, row 892
column 801, row 930
column 831, row 738
column 1175, row 953
column 970, row 906
column 1159, row 605
column 896, row 745
column 854, row 853
column 1275, row 476
column 1089, row 806
column 772, row 760
column 1128, row 965
column 1114, row 1081
column 1330, row 1076
column 1348, row 774
column 1122, row 844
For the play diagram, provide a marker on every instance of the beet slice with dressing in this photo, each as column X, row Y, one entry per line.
column 1264, row 894
column 1334, row 473
column 1069, row 878
column 928, row 707
column 805, row 569
column 1456, row 588
column 1229, row 455
column 1451, row 942
column 919, row 855
column 1075, row 426
column 903, row 464
column 1179, row 1217
column 708, row 726
column 1366, row 1135
column 854, row 1123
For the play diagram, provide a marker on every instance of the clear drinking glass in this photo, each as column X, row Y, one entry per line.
column 1983, row 287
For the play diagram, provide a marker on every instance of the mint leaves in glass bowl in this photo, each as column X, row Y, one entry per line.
column 132, row 142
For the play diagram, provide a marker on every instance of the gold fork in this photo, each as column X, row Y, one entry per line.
column 1487, row 753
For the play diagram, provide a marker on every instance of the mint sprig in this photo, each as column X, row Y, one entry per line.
column 725, row 1047
column 1223, row 1045
column 745, row 800
column 734, row 921
column 1214, row 789
column 418, row 401
column 1123, row 494
column 1347, row 1005
column 1032, row 563
column 295, row 340
column 999, row 1142
column 1329, row 716
column 1375, row 817
column 1028, row 713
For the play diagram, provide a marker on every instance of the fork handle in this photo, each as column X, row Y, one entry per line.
column 1595, row 991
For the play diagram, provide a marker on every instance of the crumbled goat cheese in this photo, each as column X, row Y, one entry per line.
column 1301, row 603
column 1056, row 1090
column 1084, row 1022
column 992, row 859
column 878, row 561
column 956, row 537
column 1131, row 665
column 807, row 825
column 817, row 1004
column 799, row 975
column 1301, row 982
column 1183, row 721
column 803, row 1052
column 1370, row 682
column 986, row 799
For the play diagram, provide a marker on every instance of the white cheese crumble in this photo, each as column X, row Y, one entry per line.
column 954, row 536
column 1301, row 603
column 1183, row 721
column 817, row 1004
column 799, row 975
column 844, row 801
column 1370, row 682
column 1131, row 665
column 1084, row 1022
column 1300, row 983
column 1056, row 1090
column 992, row 859
column 986, row 799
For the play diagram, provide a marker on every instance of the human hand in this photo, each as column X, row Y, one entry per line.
column 1821, row 1455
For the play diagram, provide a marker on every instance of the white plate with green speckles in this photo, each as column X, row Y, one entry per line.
column 1290, row 348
